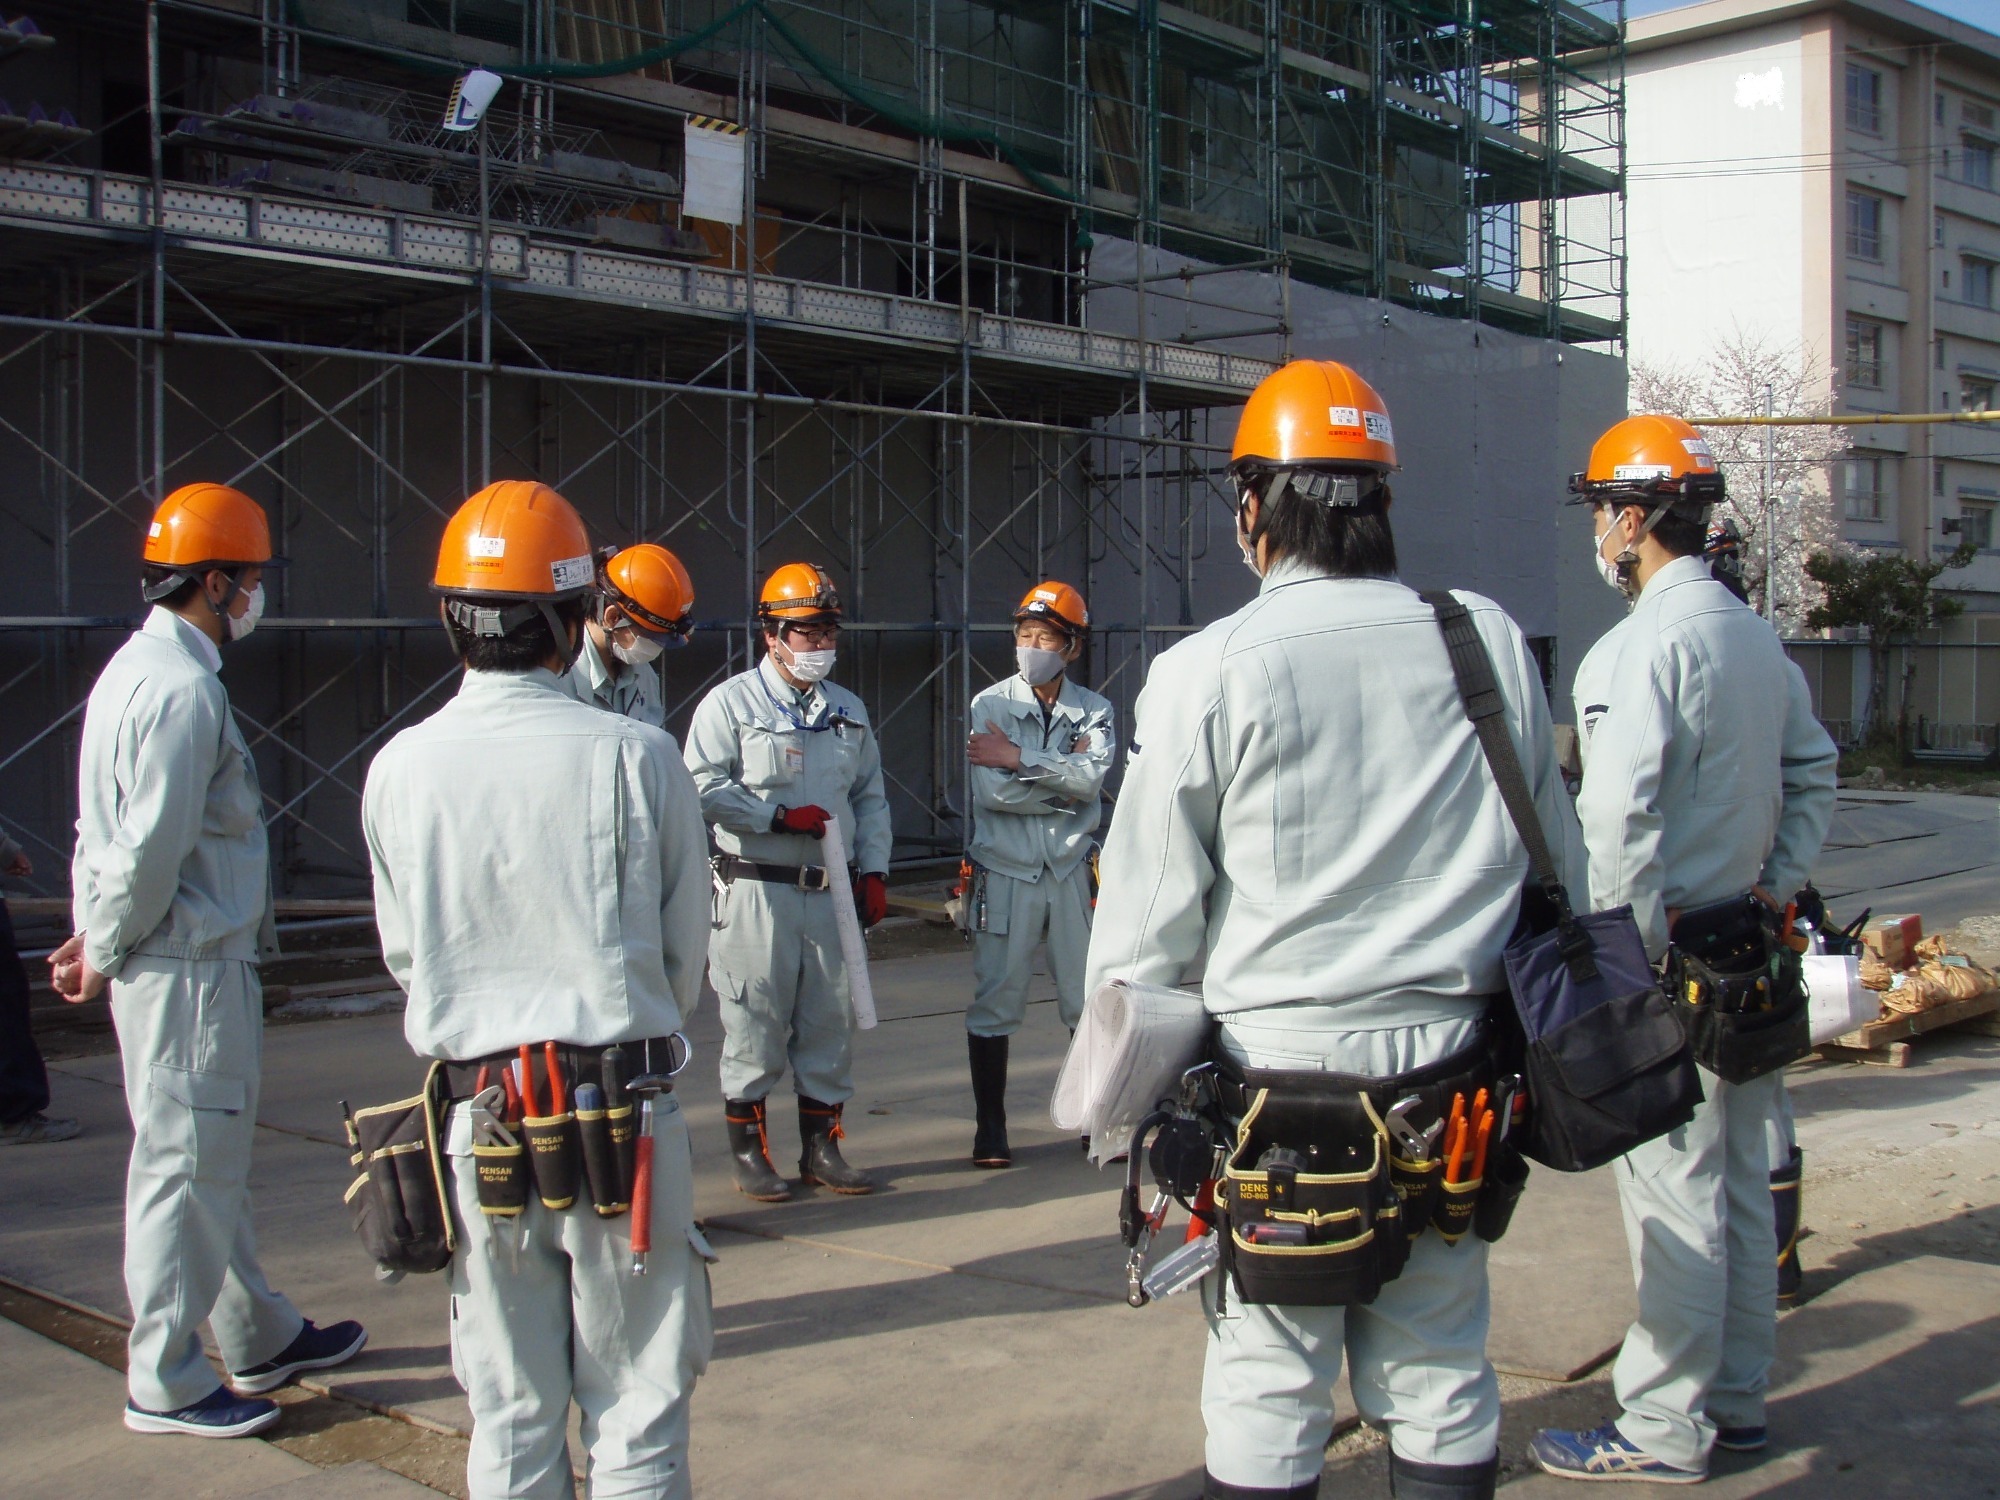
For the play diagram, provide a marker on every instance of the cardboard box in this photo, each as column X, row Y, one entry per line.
column 1894, row 939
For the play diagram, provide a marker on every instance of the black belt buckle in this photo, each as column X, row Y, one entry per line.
column 808, row 872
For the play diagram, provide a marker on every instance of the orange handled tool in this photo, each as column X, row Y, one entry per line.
column 1204, row 1202
column 1479, row 1145
column 642, row 1191
column 555, row 1078
column 1456, row 1136
column 528, row 1082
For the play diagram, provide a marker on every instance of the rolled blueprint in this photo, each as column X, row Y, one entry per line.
column 853, row 952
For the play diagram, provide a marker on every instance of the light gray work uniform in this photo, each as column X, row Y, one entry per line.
column 633, row 692
column 540, row 874
column 1708, row 774
column 172, row 884
column 1031, row 839
column 1304, row 799
column 757, row 744
column 1591, row 690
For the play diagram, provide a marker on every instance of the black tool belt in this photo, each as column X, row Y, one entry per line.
column 1320, row 1208
column 579, row 1064
column 806, row 877
column 1738, row 990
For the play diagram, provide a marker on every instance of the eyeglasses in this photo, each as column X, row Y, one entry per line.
column 812, row 636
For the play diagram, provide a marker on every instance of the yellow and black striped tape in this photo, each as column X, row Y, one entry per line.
column 710, row 122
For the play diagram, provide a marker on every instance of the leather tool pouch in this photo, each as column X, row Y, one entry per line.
column 1738, row 991
column 600, row 1163
column 501, row 1175
column 1328, row 1236
column 1506, row 1178
column 556, row 1156
column 398, row 1202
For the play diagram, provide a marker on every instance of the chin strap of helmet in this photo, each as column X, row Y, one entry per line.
column 497, row 621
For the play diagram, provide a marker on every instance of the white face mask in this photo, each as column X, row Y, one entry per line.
column 641, row 651
column 1247, row 547
column 241, row 625
column 1038, row 666
column 811, row 666
column 1607, row 567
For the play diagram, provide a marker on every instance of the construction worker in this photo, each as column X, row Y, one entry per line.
column 639, row 607
column 1723, row 548
column 1708, row 780
column 1305, row 802
column 779, row 753
column 24, row 1080
column 1039, row 747
column 173, row 912
column 541, row 886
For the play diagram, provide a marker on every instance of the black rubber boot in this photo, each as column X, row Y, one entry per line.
column 750, row 1149
column 1410, row 1480
column 988, row 1056
column 1786, row 1188
column 1216, row 1489
column 819, row 1154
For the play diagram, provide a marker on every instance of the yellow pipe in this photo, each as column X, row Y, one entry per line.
column 1870, row 419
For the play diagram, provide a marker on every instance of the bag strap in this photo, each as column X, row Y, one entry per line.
column 1479, row 692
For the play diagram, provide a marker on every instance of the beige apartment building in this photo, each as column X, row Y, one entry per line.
column 1822, row 173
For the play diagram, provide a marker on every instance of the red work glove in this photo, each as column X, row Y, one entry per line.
column 871, row 894
column 808, row 820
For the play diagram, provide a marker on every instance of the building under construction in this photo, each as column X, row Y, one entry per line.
column 947, row 296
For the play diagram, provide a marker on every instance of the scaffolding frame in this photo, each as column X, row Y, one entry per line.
column 360, row 368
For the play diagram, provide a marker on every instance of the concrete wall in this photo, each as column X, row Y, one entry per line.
column 1489, row 426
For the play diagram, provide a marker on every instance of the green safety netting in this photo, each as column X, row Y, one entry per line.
column 897, row 112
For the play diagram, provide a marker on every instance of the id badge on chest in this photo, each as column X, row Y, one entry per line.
column 795, row 762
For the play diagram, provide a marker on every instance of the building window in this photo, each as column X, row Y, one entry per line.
column 1937, row 479
column 1978, row 282
column 1978, row 116
column 1940, row 351
column 1978, row 166
column 1937, row 229
column 1864, row 353
column 1864, row 225
column 1861, row 488
column 1937, row 107
column 1975, row 524
column 1975, row 394
column 1864, row 99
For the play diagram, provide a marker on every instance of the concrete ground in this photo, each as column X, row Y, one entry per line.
column 964, row 1332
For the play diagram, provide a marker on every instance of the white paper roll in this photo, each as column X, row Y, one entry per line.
column 1835, row 999
column 853, row 951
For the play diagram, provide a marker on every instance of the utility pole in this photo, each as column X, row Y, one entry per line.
column 1770, row 512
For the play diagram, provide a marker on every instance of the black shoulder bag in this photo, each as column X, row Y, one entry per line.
column 1605, row 1062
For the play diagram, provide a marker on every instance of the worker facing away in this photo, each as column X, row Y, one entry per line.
column 1708, row 781
column 1352, row 876
column 173, row 913
column 1039, row 748
column 638, row 607
column 779, row 754
column 541, row 889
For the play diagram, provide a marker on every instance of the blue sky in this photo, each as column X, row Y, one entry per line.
column 1984, row 13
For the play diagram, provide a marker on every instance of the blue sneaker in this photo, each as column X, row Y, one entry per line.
column 1742, row 1439
column 219, row 1414
column 1604, row 1453
column 313, row 1349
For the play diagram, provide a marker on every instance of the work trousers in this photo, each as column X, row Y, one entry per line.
column 1781, row 1132
column 545, row 1310
column 1020, row 914
column 1416, row 1354
column 774, row 959
column 1698, row 1220
column 192, row 1038
column 24, row 1082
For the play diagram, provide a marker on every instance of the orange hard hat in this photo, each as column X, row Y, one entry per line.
column 208, row 523
column 517, row 539
column 649, row 584
column 1057, row 602
column 800, row 592
column 1649, row 458
column 1316, row 411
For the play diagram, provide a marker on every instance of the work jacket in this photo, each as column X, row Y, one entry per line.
column 757, row 744
column 1706, row 772
column 634, row 692
column 1041, row 814
column 540, row 871
column 1304, row 798
column 171, row 859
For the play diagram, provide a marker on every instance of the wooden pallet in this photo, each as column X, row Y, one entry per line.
column 1885, row 1042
